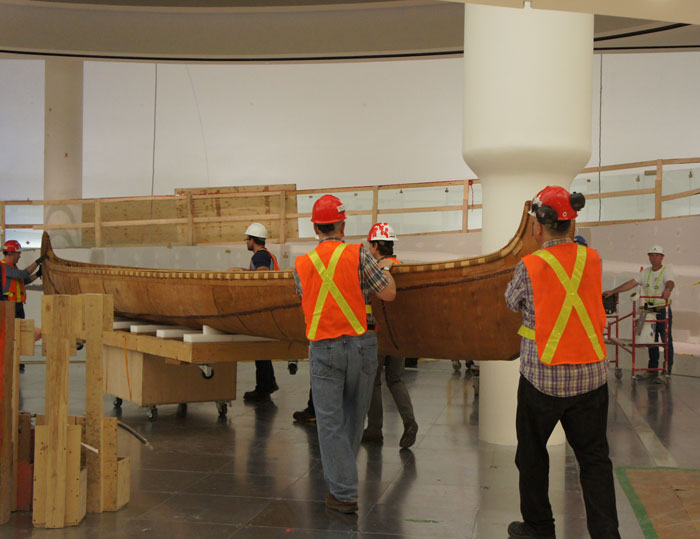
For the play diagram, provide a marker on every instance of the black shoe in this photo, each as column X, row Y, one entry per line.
column 409, row 435
column 372, row 437
column 304, row 416
column 274, row 387
column 522, row 530
column 256, row 396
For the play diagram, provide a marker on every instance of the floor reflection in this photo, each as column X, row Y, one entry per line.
column 256, row 473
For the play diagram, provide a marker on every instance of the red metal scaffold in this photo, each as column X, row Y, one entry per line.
column 638, row 318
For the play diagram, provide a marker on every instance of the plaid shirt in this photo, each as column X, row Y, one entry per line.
column 555, row 380
column 372, row 279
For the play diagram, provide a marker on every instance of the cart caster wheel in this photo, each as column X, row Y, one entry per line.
column 79, row 345
column 618, row 373
column 222, row 408
column 182, row 409
column 292, row 368
column 117, row 402
column 152, row 413
column 208, row 376
column 456, row 365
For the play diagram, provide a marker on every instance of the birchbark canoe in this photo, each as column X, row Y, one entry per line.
column 446, row 310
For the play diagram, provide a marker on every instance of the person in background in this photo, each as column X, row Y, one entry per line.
column 15, row 279
column 336, row 281
column 262, row 259
column 659, row 281
column 381, row 240
column 563, row 369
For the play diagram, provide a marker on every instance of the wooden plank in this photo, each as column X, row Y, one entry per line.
column 122, row 373
column 203, row 352
column 123, row 481
column 24, row 467
column 283, row 217
column 26, row 337
column 109, row 448
column 75, row 490
column 57, row 308
column 39, row 495
column 658, row 188
column 94, row 304
column 98, row 222
column 190, row 221
column 682, row 194
column 7, row 348
column 627, row 193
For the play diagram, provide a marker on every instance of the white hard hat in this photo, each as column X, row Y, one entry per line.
column 382, row 232
column 257, row 230
column 656, row 250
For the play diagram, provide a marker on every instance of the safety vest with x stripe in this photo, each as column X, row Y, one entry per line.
column 332, row 299
column 569, row 313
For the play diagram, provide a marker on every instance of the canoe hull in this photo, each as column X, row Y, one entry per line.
column 448, row 310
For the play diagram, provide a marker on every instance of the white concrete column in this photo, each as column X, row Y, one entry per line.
column 63, row 145
column 527, row 124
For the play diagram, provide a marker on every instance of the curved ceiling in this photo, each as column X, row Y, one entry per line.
column 274, row 30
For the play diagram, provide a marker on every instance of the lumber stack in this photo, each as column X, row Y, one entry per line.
column 66, row 483
column 7, row 325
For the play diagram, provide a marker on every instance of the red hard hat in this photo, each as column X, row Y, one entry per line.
column 554, row 203
column 12, row 246
column 328, row 209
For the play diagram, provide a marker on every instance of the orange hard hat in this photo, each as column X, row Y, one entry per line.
column 554, row 203
column 11, row 246
column 328, row 209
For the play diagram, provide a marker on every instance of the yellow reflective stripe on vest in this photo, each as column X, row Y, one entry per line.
column 527, row 333
column 368, row 309
column 656, row 288
column 572, row 301
column 327, row 287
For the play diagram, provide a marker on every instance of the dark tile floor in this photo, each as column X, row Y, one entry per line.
column 256, row 474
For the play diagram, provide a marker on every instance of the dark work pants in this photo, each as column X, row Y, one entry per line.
column 264, row 376
column 660, row 336
column 584, row 419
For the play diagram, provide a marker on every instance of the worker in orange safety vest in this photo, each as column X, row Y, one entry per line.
column 336, row 281
column 381, row 239
column 563, row 371
column 14, row 279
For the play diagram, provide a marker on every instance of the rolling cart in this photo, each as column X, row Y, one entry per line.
column 643, row 328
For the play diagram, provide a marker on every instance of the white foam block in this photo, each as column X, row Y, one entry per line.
column 175, row 333
column 225, row 337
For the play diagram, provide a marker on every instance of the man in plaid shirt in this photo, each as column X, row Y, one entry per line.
column 563, row 370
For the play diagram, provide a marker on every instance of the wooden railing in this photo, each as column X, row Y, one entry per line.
column 195, row 217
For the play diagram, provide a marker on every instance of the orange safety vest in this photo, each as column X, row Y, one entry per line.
column 332, row 299
column 275, row 265
column 569, row 314
column 396, row 260
column 16, row 293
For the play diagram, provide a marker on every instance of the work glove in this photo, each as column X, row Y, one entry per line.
column 40, row 259
column 39, row 272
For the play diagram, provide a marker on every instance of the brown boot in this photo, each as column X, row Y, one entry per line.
column 338, row 505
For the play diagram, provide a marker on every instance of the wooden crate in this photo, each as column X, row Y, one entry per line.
column 147, row 380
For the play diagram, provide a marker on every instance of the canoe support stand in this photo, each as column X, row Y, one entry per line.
column 150, row 365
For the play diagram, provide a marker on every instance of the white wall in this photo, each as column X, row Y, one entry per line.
column 315, row 125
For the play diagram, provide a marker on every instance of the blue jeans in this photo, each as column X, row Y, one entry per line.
column 342, row 372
